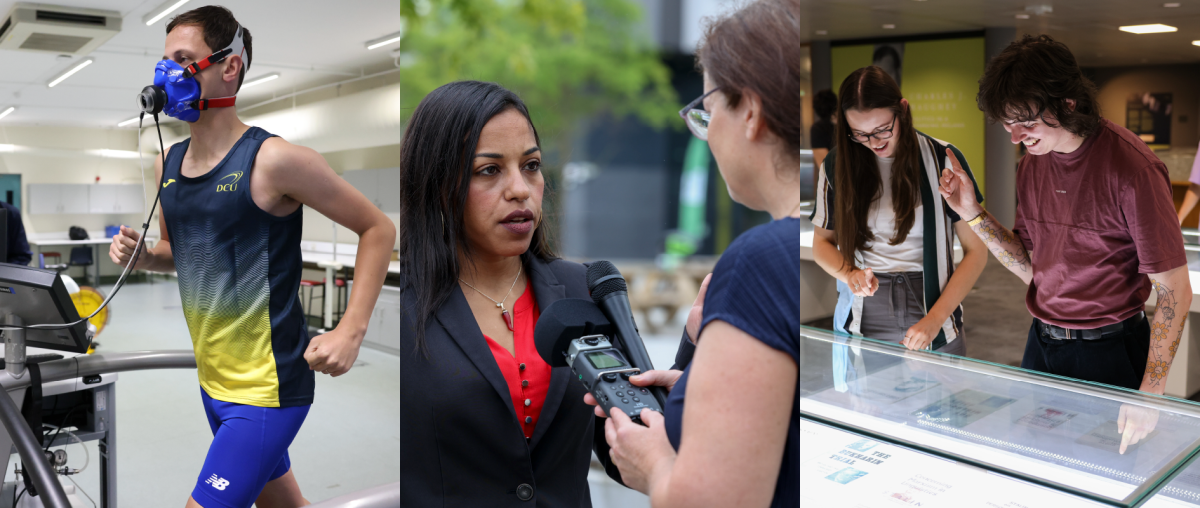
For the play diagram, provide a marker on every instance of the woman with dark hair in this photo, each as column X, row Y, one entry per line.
column 485, row 421
column 887, row 235
column 723, row 443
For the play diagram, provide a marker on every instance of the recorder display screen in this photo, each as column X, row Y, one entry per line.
column 603, row 360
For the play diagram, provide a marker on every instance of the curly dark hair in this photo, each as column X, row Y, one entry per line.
column 824, row 103
column 1036, row 75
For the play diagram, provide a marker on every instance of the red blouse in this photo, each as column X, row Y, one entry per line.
column 527, row 375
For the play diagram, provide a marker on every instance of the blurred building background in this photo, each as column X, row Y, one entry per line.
column 606, row 109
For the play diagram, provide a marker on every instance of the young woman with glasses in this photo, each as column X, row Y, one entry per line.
column 882, row 228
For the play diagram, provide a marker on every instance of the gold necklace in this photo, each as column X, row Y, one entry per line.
column 508, row 320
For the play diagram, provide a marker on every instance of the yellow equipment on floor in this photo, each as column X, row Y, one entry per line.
column 87, row 300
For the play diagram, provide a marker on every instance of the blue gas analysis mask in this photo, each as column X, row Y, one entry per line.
column 177, row 93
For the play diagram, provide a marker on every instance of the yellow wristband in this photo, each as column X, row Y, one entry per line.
column 978, row 218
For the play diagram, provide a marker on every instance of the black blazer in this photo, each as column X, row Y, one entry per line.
column 460, row 442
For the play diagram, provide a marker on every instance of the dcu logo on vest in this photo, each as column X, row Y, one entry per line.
column 228, row 183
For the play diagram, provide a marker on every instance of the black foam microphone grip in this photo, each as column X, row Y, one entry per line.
column 609, row 292
column 564, row 321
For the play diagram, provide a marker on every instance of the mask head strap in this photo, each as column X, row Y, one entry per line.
column 220, row 102
column 236, row 47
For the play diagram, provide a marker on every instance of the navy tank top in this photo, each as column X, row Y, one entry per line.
column 239, row 277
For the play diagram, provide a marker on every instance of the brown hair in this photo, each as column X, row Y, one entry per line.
column 754, row 49
column 219, row 27
column 856, row 176
column 1035, row 75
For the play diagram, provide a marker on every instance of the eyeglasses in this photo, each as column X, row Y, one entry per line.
column 696, row 117
column 879, row 135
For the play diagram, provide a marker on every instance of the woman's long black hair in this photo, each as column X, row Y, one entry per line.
column 436, row 156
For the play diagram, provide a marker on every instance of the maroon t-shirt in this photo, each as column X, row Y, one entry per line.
column 1095, row 221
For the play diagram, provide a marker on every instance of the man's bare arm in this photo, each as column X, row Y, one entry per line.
column 1005, row 246
column 957, row 188
column 156, row 259
column 303, row 175
column 1174, row 291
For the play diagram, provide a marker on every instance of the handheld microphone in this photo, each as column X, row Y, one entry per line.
column 564, row 321
column 571, row 332
column 611, row 293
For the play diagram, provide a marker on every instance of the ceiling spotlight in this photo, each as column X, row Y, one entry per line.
column 133, row 120
column 1022, row 16
column 161, row 11
column 59, row 79
column 1171, row 5
column 260, row 80
column 889, row 26
column 1196, row 43
column 385, row 40
column 1155, row 28
column 8, row 111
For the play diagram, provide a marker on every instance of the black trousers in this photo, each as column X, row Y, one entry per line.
column 1119, row 359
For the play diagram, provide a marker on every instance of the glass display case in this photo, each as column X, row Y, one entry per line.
column 1191, row 244
column 806, row 226
column 918, row 428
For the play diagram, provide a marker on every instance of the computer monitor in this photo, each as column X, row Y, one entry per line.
column 38, row 296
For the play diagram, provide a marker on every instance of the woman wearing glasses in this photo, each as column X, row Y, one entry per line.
column 882, row 228
column 737, row 443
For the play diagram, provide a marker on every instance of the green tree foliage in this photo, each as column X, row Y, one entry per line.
column 567, row 59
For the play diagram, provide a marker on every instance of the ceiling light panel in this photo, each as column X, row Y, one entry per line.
column 1156, row 28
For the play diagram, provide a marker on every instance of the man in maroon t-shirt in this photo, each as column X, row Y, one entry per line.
column 1095, row 229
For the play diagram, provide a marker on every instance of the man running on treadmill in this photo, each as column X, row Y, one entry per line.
column 231, row 225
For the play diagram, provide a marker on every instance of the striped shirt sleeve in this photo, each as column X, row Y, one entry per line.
column 822, row 215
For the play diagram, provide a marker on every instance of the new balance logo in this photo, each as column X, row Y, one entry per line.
column 217, row 483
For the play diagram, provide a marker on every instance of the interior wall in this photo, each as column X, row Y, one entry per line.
column 1116, row 84
column 71, row 165
column 45, row 168
column 317, row 227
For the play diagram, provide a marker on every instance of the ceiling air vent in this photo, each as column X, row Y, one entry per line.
column 55, row 29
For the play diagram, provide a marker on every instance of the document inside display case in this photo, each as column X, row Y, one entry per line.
column 1047, row 430
column 839, row 468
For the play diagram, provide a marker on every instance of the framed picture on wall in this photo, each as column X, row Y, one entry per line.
column 1148, row 115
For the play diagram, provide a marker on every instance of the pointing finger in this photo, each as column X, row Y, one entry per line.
column 953, row 159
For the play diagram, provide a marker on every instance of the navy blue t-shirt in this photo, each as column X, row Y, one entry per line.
column 756, row 288
column 18, row 245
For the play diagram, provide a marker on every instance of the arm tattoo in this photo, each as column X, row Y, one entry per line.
column 1005, row 245
column 1159, row 364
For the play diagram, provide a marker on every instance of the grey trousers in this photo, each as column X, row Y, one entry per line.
column 897, row 305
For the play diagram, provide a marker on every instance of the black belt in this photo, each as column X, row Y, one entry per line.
column 1058, row 332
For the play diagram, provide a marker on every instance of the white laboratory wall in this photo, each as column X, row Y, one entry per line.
column 57, row 155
